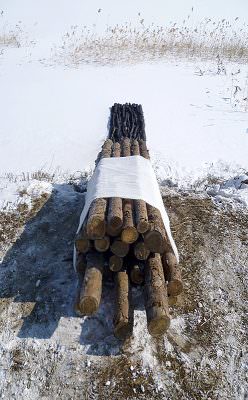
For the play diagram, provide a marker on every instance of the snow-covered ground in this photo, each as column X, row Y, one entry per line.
column 53, row 121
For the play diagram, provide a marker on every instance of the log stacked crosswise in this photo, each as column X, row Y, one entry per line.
column 128, row 238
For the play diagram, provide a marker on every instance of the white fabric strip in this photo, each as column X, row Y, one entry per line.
column 130, row 178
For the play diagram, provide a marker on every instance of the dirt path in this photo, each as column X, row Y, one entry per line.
column 48, row 353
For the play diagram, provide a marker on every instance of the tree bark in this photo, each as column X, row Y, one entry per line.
column 115, row 215
column 82, row 242
column 91, row 291
column 156, row 301
column 141, row 217
column 123, row 319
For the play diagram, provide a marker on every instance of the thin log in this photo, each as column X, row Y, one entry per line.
column 123, row 319
column 80, row 268
column 82, row 242
column 91, row 291
column 119, row 248
column 172, row 274
column 137, row 273
column 102, row 244
column 96, row 225
column 141, row 217
column 115, row 216
column 129, row 232
column 140, row 250
column 115, row 263
column 156, row 301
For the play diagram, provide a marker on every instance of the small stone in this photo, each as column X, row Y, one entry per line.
column 200, row 305
column 107, row 383
column 142, row 388
column 134, row 390
column 168, row 364
column 88, row 363
column 219, row 353
column 37, row 283
column 131, row 367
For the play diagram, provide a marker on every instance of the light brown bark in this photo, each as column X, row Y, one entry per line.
column 91, row 291
column 123, row 319
column 115, row 216
column 172, row 274
column 156, row 301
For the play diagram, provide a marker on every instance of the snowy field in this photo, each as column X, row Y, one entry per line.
column 55, row 98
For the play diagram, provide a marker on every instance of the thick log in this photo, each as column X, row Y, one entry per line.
column 113, row 232
column 156, row 301
column 91, row 291
column 123, row 319
column 137, row 273
column 141, row 217
column 102, row 244
column 155, row 239
column 115, row 216
column 119, row 248
column 96, row 225
column 172, row 274
column 82, row 242
column 140, row 250
column 115, row 263
column 129, row 232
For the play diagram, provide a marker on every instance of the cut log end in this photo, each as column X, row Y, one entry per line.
column 115, row 223
column 115, row 263
column 119, row 248
column 88, row 305
column 158, row 325
column 137, row 275
column 129, row 235
column 102, row 245
column 175, row 287
column 82, row 245
column 140, row 251
column 154, row 242
column 123, row 330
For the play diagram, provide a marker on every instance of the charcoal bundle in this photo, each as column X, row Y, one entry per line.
column 127, row 238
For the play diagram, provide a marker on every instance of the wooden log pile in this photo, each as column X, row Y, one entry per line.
column 127, row 238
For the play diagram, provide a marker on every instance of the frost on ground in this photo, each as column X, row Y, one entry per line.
column 47, row 352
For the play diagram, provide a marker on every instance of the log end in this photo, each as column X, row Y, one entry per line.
column 175, row 287
column 102, row 245
column 82, row 245
column 137, row 275
column 115, row 223
column 159, row 325
column 115, row 263
column 88, row 305
column 123, row 330
column 129, row 235
column 154, row 242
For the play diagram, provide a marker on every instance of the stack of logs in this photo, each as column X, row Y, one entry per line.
column 127, row 238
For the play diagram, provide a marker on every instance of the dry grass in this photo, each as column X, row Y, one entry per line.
column 218, row 40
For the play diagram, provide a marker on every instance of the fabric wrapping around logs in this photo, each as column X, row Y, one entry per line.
column 129, row 177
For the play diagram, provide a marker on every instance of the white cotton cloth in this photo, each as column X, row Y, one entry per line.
column 129, row 178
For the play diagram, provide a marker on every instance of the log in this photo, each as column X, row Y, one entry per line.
column 156, row 301
column 91, row 291
column 141, row 217
column 102, row 244
column 96, row 225
column 123, row 319
column 115, row 263
column 137, row 274
column 115, row 216
column 82, row 242
column 119, row 248
column 140, row 250
column 80, row 268
column 155, row 239
column 129, row 232
column 113, row 232
column 172, row 274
